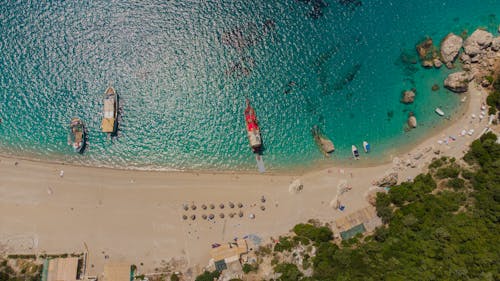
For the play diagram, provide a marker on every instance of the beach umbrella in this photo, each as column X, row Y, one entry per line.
column 193, row 217
column 252, row 216
column 204, row 207
column 184, row 217
column 231, row 215
column 193, row 207
column 204, row 216
column 240, row 214
column 221, row 215
column 263, row 208
column 221, row 206
column 231, row 205
column 185, row 207
column 212, row 206
column 240, row 205
column 211, row 216
column 263, row 199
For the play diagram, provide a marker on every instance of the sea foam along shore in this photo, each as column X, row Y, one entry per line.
column 136, row 216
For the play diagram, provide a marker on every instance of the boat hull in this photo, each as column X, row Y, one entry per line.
column 109, row 122
column 355, row 152
column 253, row 130
column 77, row 135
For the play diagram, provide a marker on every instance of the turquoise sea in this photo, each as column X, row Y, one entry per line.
column 184, row 68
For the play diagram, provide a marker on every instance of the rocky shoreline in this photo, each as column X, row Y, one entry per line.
column 476, row 57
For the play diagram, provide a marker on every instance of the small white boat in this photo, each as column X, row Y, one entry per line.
column 439, row 111
column 366, row 146
column 355, row 152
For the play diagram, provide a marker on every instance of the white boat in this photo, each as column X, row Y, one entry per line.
column 366, row 146
column 355, row 152
column 439, row 111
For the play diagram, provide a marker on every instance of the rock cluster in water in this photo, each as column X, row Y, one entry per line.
column 480, row 50
column 408, row 96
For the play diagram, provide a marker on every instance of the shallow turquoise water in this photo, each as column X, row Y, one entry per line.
column 182, row 88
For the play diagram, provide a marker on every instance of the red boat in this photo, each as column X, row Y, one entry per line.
column 253, row 131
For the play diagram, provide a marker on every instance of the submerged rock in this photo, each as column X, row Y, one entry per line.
column 477, row 42
column 437, row 63
column 458, row 82
column 412, row 120
column 427, row 52
column 408, row 97
column 435, row 87
column 450, row 46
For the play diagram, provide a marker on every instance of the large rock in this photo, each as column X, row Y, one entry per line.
column 408, row 97
column 412, row 121
column 458, row 82
column 295, row 187
column 477, row 42
column 495, row 44
column 450, row 46
column 388, row 180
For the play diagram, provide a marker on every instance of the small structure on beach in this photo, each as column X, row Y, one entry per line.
column 118, row 271
column 225, row 255
column 60, row 269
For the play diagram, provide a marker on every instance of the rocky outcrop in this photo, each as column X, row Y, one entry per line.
column 408, row 97
column 477, row 42
column 388, row 180
column 495, row 44
column 458, row 82
column 450, row 46
column 437, row 63
column 412, row 121
column 295, row 187
column 427, row 52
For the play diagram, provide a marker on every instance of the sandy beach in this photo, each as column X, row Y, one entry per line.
column 136, row 216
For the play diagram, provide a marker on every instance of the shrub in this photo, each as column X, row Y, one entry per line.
column 316, row 234
column 456, row 183
column 289, row 272
column 247, row 268
column 208, row 276
column 174, row 277
column 284, row 244
column 451, row 171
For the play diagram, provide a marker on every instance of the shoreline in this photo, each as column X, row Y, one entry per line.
column 319, row 164
column 136, row 216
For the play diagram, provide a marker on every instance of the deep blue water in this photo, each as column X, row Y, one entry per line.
column 183, row 84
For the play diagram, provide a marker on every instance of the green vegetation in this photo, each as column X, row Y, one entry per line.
column 313, row 233
column 429, row 236
column 247, row 268
column 25, row 270
column 430, row 233
column 289, row 272
column 208, row 276
column 493, row 99
column 174, row 277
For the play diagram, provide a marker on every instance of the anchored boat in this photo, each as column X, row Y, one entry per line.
column 355, row 152
column 77, row 135
column 324, row 143
column 366, row 146
column 109, row 121
column 439, row 111
column 253, row 131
